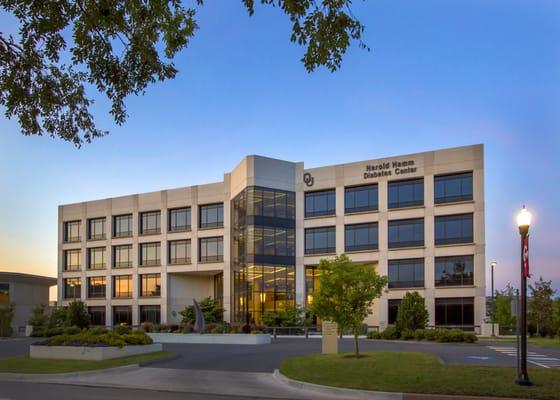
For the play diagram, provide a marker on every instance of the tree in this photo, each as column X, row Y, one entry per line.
column 210, row 308
column 346, row 294
column 412, row 313
column 540, row 306
column 289, row 316
column 6, row 317
column 120, row 47
column 556, row 317
column 77, row 315
column 503, row 301
column 38, row 320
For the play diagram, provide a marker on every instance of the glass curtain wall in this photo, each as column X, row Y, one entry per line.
column 263, row 252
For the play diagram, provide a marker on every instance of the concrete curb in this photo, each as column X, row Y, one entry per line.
column 8, row 376
column 350, row 394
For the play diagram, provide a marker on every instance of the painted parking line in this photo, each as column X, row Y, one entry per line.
column 541, row 360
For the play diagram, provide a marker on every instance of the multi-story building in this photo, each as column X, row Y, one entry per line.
column 254, row 240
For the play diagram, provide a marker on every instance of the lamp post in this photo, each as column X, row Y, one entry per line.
column 492, row 266
column 523, row 222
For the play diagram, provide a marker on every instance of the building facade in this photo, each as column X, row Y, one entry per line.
column 26, row 291
column 254, row 240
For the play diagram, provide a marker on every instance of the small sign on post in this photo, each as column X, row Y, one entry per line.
column 330, row 337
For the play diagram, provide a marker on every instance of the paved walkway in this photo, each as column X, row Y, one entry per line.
column 533, row 357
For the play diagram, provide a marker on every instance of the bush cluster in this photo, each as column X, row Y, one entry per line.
column 6, row 316
column 434, row 335
column 63, row 320
column 95, row 337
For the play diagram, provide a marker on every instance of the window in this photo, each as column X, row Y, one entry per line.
column 122, row 225
column 211, row 249
column 96, row 258
column 320, row 203
column 4, row 294
column 150, row 314
column 149, row 254
column 406, row 273
column 455, row 312
column 270, row 241
column 72, row 260
column 72, row 231
column 180, row 252
column 72, row 288
column 320, row 240
column 96, row 287
column 393, row 310
column 219, row 289
column 122, row 315
column 454, row 271
column 122, row 286
column 312, row 283
column 97, row 316
column 122, row 256
column 454, row 229
column 455, row 187
column 150, row 285
column 407, row 193
column 360, row 237
column 150, row 223
column 211, row 216
column 360, row 198
column 96, row 228
column 268, row 202
column 406, row 233
column 180, row 219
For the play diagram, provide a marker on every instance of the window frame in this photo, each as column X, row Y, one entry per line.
column 97, row 310
column 151, row 263
column 367, row 247
column 464, row 281
column 91, row 223
column 144, row 220
column 213, row 258
column 91, row 266
column 77, row 287
column 96, row 294
column 179, row 261
column 415, row 282
column 405, row 244
column 438, row 219
column 66, row 234
column 353, row 190
column 144, row 309
column 321, row 250
column 441, row 179
column 459, row 301
column 129, row 293
column 119, row 264
column 122, row 309
column 117, row 221
column 203, row 211
column 330, row 195
column 77, row 267
column 143, row 280
column 179, row 228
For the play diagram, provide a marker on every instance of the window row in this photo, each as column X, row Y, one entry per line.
column 448, row 271
column 404, row 193
column 148, row 286
column 123, row 315
column 178, row 252
column 449, row 312
column 449, row 229
column 179, row 220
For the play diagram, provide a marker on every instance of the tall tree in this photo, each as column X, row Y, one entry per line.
column 540, row 306
column 504, row 301
column 346, row 294
column 412, row 313
column 120, row 47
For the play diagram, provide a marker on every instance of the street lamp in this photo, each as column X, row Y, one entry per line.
column 492, row 266
column 523, row 222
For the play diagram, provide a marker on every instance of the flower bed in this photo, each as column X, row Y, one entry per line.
column 437, row 335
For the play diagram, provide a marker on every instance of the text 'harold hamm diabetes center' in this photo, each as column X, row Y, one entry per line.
column 254, row 241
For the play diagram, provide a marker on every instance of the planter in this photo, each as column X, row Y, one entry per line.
column 211, row 338
column 90, row 353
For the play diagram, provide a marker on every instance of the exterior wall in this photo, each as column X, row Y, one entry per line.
column 179, row 284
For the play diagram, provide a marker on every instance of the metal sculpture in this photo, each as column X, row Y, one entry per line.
column 199, row 317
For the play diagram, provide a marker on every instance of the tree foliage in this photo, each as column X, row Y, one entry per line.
column 412, row 313
column 540, row 306
column 6, row 317
column 502, row 309
column 346, row 294
column 210, row 309
column 77, row 315
column 289, row 316
column 120, row 47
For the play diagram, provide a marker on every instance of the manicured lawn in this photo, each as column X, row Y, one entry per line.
column 418, row 373
column 27, row 365
column 539, row 341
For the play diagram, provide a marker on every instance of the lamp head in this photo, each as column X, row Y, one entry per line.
column 493, row 264
column 524, row 220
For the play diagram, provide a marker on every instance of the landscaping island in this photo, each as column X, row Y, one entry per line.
column 417, row 373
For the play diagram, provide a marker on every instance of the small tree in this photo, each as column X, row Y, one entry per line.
column 502, row 310
column 77, row 315
column 210, row 308
column 346, row 294
column 38, row 320
column 290, row 316
column 540, row 308
column 6, row 317
column 58, row 318
column 412, row 313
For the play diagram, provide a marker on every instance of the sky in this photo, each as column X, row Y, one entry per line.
column 439, row 74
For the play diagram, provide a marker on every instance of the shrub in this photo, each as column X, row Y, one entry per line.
column 412, row 313
column 137, row 338
column 374, row 335
column 123, row 329
column 188, row 328
column 420, row 334
column 38, row 320
column 50, row 332
column 390, row 333
column 58, row 318
column 454, row 335
column 71, row 330
column 97, row 330
column 290, row 316
column 407, row 334
column 90, row 338
column 6, row 317
column 469, row 337
column 210, row 309
column 77, row 315
column 430, row 334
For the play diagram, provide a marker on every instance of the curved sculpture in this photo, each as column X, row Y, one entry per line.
column 199, row 317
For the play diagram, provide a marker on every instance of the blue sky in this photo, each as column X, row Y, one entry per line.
column 440, row 74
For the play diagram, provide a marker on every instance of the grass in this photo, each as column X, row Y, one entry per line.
column 539, row 341
column 28, row 365
column 418, row 373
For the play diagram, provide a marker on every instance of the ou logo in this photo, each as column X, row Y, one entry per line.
column 308, row 179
